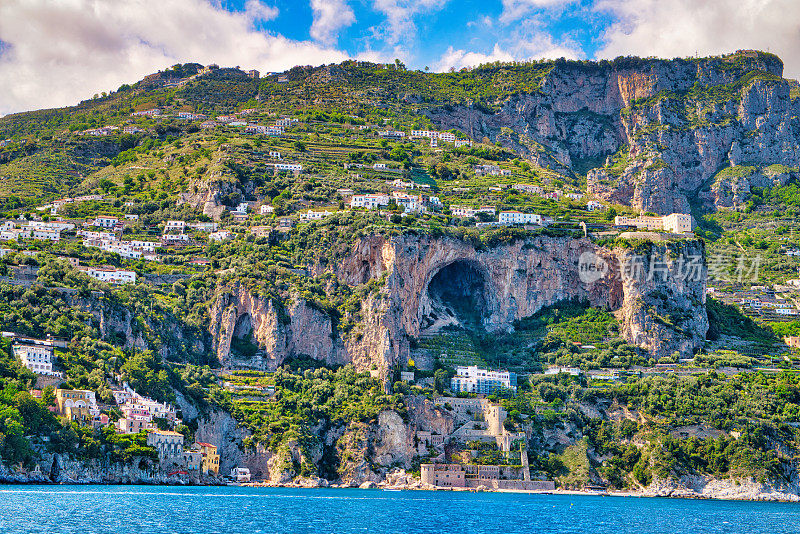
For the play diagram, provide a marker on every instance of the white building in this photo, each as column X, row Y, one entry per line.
column 46, row 234
column 463, row 142
column 481, row 381
column 424, row 134
column 106, row 222
column 266, row 210
column 430, row 134
column 147, row 113
column 255, row 129
column 97, row 236
column 204, row 226
column 174, row 238
column 674, row 222
column 391, row 134
column 36, row 355
column 400, row 184
column 294, row 167
column 240, row 474
column 593, row 205
column 144, row 246
column 285, row 122
column 222, row 235
column 465, row 212
column 527, row 188
column 516, row 217
column 57, row 225
column 410, row 203
column 369, row 201
column 191, row 116
column 122, row 248
column 131, row 217
column 274, row 155
column 175, row 227
column 573, row 371
column 111, row 275
column 678, row 223
column 314, row 215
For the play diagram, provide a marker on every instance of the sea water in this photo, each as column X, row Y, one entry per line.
column 235, row 510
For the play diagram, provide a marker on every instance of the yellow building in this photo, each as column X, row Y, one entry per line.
column 76, row 404
column 210, row 457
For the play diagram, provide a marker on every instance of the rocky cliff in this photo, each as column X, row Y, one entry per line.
column 650, row 133
column 661, row 308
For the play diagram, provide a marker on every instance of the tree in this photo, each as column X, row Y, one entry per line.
column 441, row 380
column 106, row 185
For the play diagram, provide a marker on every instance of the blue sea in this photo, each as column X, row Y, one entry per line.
column 234, row 510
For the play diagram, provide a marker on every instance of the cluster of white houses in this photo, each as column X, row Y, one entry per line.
column 45, row 231
column 409, row 203
column 448, row 137
column 139, row 412
column 509, row 217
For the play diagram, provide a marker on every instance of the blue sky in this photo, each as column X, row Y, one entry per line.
column 545, row 27
column 58, row 52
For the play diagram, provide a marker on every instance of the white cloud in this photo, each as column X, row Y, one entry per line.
column 539, row 46
column 457, row 59
column 400, row 17
column 59, row 53
column 680, row 28
column 258, row 11
column 330, row 16
column 517, row 9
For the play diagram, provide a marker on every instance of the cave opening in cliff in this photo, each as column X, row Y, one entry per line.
column 242, row 343
column 457, row 296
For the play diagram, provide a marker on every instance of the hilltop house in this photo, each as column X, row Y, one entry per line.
column 516, row 217
column 369, row 201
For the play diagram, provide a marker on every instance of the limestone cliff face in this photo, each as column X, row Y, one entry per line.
column 209, row 192
column 731, row 190
column 676, row 123
column 221, row 430
column 208, row 196
column 296, row 330
column 138, row 330
column 506, row 283
column 664, row 306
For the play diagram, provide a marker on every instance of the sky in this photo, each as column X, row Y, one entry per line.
column 58, row 52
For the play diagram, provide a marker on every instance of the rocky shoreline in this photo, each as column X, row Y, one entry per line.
column 686, row 487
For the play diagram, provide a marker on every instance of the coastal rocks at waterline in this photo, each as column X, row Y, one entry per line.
column 703, row 487
column 61, row 469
